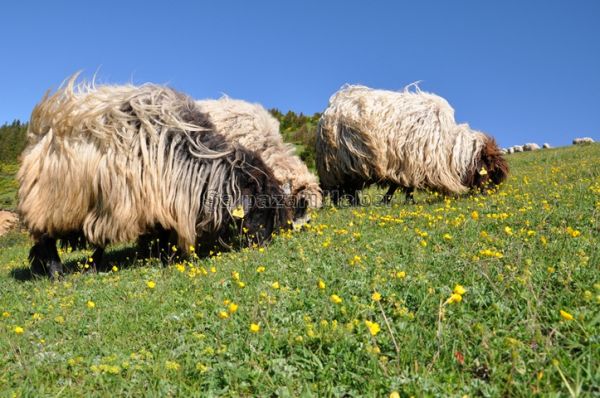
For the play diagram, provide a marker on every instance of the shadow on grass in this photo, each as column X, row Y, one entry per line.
column 126, row 257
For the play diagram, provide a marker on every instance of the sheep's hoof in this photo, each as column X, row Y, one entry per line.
column 55, row 270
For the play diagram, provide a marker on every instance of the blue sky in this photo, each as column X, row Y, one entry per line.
column 523, row 71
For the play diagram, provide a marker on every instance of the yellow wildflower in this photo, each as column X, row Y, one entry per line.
column 151, row 284
column 90, row 304
column 233, row 307
column 394, row 394
column 373, row 327
column 260, row 269
column 172, row 365
column 447, row 237
column 454, row 298
column 459, row 289
column 19, row 330
column 275, row 285
column 376, row 296
column 115, row 268
column 223, row 315
column 400, row 274
column 474, row 215
column 335, row 299
column 566, row 316
column 6, row 314
column 321, row 284
column 238, row 212
column 254, row 327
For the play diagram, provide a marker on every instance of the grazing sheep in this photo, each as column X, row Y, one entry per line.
column 530, row 147
column 546, row 146
column 510, row 150
column 400, row 139
column 518, row 148
column 255, row 128
column 112, row 163
column 583, row 140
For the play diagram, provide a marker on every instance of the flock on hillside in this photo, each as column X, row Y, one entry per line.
column 111, row 164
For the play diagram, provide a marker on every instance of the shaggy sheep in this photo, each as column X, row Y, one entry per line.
column 255, row 128
column 530, row 147
column 583, row 140
column 113, row 163
column 400, row 139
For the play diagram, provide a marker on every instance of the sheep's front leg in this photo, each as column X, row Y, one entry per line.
column 44, row 258
column 387, row 198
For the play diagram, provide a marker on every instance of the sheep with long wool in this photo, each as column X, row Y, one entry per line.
column 252, row 126
column 116, row 162
column 407, row 139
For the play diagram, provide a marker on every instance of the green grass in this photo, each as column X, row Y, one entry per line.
column 8, row 186
column 529, row 251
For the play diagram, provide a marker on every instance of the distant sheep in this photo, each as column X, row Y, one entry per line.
column 401, row 139
column 116, row 162
column 518, row 148
column 510, row 150
column 530, row 147
column 255, row 128
column 583, row 140
column 546, row 146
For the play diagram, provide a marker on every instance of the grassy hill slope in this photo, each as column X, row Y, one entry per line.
column 358, row 304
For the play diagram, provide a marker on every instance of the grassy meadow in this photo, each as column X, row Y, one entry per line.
column 363, row 303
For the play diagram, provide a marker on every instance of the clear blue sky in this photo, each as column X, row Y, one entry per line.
column 520, row 70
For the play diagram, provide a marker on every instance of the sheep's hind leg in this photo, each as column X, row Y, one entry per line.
column 44, row 258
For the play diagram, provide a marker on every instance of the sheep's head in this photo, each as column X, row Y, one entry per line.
column 263, row 209
column 490, row 167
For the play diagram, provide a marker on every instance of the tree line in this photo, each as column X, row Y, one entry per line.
column 296, row 128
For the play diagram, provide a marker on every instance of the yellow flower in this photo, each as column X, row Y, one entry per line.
column 90, row 304
column 5, row 314
column 321, row 284
column 233, row 307
column 508, row 230
column 459, row 289
column 223, row 315
column 260, row 269
column 238, row 212
column 172, row 365
column 454, row 298
column 394, row 394
column 254, row 327
column 566, row 316
column 275, row 285
column 151, row 284
column 235, row 275
column 376, row 296
column 400, row 274
column 19, row 330
column 447, row 236
column 474, row 215
column 200, row 367
column 335, row 299
column 115, row 268
column 373, row 327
